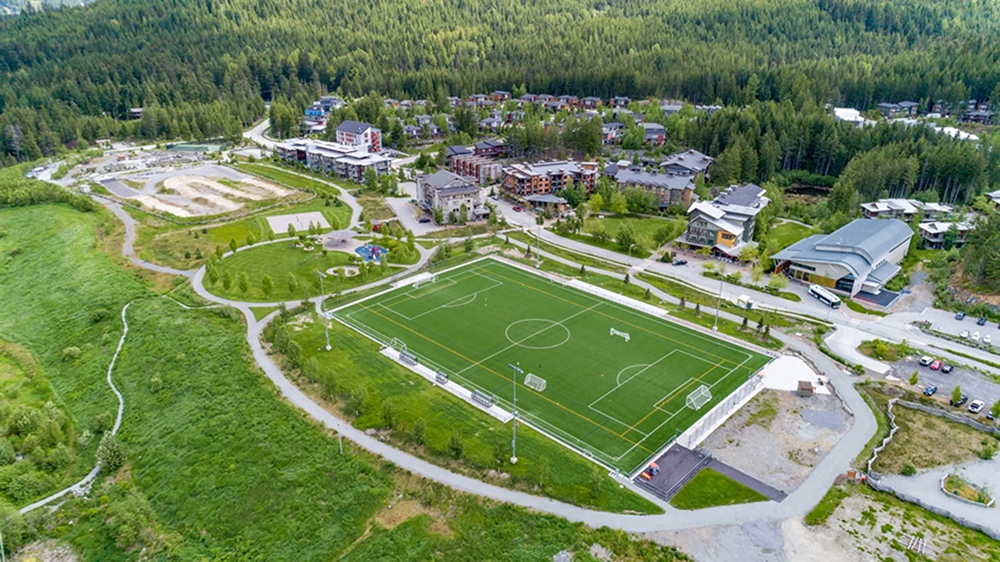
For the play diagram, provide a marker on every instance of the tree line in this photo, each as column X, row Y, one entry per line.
column 73, row 74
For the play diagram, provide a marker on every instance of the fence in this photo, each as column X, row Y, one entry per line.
column 876, row 484
column 720, row 413
column 952, row 416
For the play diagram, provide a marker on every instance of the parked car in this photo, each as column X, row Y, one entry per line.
column 946, row 368
column 981, row 321
column 975, row 336
column 517, row 208
column 960, row 316
column 961, row 401
column 680, row 262
column 936, row 364
column 976, row 406
column 964, row 334
column 424, row 220
column 987, row 338
column 926, row 360
column 930, row 390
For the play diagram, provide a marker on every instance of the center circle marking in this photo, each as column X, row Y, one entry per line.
column 542, row 321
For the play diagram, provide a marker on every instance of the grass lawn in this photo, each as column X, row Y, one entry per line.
column 645, row 228
column 619, row 400
column 544, row 466
column 786, row 234
column 459, row 231
column 860, row 308
column 709, row 489
column 281, row 260
column 210, row 449
column 639, row 253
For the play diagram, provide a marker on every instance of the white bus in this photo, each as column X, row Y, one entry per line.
column 826, row 297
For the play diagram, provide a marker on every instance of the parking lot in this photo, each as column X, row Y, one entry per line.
column 944, row 321
column 974, row 385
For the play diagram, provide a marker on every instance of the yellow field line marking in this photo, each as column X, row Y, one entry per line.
column 656, row 408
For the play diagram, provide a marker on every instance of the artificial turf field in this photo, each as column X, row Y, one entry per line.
column 617, row 400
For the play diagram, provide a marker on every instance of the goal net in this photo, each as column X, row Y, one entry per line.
column 535, row 382
column 699, row 397
column 398, row 345
column 425, row 281
column 624, row 335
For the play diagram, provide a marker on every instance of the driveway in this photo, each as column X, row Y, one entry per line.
column 409, row 216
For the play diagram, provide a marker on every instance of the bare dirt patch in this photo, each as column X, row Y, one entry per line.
column 46, row 551
column 399, row 511
column 779, row 436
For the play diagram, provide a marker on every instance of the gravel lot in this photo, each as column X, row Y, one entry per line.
column 778, row 437
column 974, row 384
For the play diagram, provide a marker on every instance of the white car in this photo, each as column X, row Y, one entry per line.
column 987, row 339
column 926, row 360
column 977, row 406
column 975, row 336
column 965, row 334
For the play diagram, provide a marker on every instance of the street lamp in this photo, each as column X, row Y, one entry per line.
column 630, row 246
column 516, row 371
column 322, row 297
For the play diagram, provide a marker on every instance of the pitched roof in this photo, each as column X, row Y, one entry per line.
column 355, row 127
column 690, row 159
column 447, row 182
column 653, row 179
column 857, row 245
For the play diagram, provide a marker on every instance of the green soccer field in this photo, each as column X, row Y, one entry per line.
column 619, row 400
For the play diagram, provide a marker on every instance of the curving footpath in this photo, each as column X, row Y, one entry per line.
column 797, row 504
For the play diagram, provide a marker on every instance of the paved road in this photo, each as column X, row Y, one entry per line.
column 256, row 134
column 128, row 247
column 796, row 505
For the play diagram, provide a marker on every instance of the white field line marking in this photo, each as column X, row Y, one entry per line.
column 672, row 415
column 445, row 305
column 528, row 337
column 618, row 379
column 603, row 396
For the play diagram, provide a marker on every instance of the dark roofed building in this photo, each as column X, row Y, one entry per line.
column 687, row 162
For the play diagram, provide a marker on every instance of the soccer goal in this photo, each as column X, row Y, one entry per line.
column 624, row 335
column 535, row 382
column 425, row 281
column 699, row 397
column 398, row 345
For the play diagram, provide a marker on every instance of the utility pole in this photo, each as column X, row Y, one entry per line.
column 326, row 321
column 718, row 305
column 516, row 371
column 538, row 241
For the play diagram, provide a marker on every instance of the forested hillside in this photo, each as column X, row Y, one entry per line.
column 73, row 73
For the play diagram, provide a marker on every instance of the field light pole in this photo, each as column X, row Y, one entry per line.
column 718, row 305
column 516, row 371
column 322, row 297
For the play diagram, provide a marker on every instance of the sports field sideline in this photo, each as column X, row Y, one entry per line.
column 619, row 398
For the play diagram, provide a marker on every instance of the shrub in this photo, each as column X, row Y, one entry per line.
column 103, row 422
column 908, row 469
column 98, row 315
column 420, row 432
column 110, row 454
column 455, row 446
column 71, row 353
column 387, row 415
column 989, row 449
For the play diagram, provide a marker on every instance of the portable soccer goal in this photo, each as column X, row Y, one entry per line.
column 624, row 335
column 535, row 382
column 425, row 281
column 699, row 397
column 398, row 345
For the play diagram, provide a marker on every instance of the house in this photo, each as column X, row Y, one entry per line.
column 406, row 105
column 726, row 224
column 491, row 123
column 981, row 116
column 555, row 106
column 610, row 132
column 860, row 256
column 655, row 134
column 548, row 177
column 135, row 113
column 934, row 235
column 622, row 114
column 391, row 103
column 330, row 103
column 478, row 100
column 454, row 101
column 513, row 117
column 456, row 150
column 556, row 203
column 901, row 109
column 345, row 161
column 904, row 209
column 668, row 188
column 412, row 131
column 543, row 98
column 480, row 169
column 449, row 192
column 569, row 101
column 687, row 162
column 500, row 96
column 709, row 109
column 994, row 197
column 527, row 99
column 620, row 102
column 315, row 112
column 423, row 119
column 489, row 148
column 590, row 102
column 670, row 107
column 354, row 133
